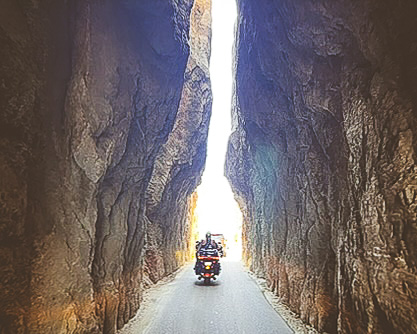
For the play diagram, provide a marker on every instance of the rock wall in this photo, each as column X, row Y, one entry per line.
column 98, row 160
column 322, row 158
column 180, row 161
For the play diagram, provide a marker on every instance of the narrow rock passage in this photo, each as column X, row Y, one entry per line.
column 232, row 304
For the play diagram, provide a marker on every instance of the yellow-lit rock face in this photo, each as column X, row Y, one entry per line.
column 104, row 116
column 201, row 33
column 193, row 230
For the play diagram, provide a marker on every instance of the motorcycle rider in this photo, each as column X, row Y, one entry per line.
column 208, row 243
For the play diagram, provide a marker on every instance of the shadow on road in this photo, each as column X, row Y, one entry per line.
column 212, row 283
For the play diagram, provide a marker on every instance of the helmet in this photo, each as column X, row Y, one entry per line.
column 208, row 235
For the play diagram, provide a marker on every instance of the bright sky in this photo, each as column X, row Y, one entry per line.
column 217, row 210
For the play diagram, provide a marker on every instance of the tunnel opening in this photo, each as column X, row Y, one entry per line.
column 216, row 210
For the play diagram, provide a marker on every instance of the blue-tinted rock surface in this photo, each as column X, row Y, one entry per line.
column 322, row 158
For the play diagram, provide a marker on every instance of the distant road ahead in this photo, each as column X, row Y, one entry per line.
column 232, row 304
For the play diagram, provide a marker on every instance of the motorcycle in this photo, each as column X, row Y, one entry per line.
column 208, row 265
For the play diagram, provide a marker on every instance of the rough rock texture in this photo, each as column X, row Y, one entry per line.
column 322, row 158
column 180, row 161
column 103, row 126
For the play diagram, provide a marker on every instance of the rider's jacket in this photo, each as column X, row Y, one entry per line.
column 204, row 244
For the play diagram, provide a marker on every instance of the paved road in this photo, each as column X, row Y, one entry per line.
column 232, row 304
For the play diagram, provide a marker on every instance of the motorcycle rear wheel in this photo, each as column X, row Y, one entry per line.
column 206, row 280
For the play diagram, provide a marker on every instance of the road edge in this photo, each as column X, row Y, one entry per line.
column 291, row 319
column 148, row 303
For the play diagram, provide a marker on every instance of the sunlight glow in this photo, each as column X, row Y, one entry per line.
column 217, row 211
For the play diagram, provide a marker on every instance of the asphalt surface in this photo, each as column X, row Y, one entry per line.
column 232, row 304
